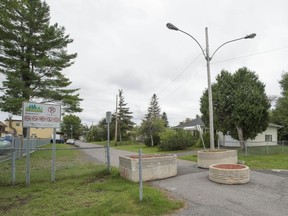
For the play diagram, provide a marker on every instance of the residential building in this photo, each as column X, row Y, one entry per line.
column 15, row 127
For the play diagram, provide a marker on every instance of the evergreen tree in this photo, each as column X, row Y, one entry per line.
column 32, row 55
column 165, row 119
column 154, row 110
column 124, row 118
column 152, row 125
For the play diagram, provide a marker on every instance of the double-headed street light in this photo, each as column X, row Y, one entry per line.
column 208, row 59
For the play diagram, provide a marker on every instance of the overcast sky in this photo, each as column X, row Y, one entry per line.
column 124, row 44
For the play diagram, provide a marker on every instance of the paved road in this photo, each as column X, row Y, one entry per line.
column 266, row 194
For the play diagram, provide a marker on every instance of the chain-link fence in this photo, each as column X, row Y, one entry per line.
column 259, row 148
column 68, row 161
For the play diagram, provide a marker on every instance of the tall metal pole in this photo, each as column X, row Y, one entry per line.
column 208, row 59
column 211, row 126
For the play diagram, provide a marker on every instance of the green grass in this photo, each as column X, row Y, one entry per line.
column 135, row 146
column 81, row 188
column 259, row 157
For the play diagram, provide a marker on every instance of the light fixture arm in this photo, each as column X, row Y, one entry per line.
column 195, row 41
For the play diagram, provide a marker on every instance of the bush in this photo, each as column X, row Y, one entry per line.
column 171, row 140
column 206, row 138
column 156, row 140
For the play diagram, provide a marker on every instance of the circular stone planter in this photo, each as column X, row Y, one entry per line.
column 205, row 158
column 229, row 173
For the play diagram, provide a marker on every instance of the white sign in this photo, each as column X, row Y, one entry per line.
column 39, row 115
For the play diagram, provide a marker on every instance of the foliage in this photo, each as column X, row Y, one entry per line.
column 124, row 123
column 206, row 139
column 165, row 119
column 97, row 132
column 71, row 126
column 171, row 140
column 152, row 129
column 152, row 125
column 279, row 115
column 154, row 110
column 240, row 104
column 32, row 55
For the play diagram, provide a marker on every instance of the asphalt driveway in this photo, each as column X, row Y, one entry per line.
column 266, row 193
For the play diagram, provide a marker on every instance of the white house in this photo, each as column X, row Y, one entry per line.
column 268, row 137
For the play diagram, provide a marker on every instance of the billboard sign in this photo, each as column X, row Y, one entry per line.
column 37, row 115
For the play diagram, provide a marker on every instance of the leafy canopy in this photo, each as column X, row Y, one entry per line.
column 280, row 115
column 239, row 102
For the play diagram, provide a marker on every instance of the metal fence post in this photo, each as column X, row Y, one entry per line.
column 28, row 158
column 140, row 176
column 53, row 155
column 108, row 121
column 13, row 162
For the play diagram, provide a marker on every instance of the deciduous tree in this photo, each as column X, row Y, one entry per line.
column 240, row 105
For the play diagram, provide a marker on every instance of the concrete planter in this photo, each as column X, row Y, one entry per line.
column 206, row 158
column 229, row 173
column 154, row 166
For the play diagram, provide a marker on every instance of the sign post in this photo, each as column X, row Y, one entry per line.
column 38, row 115
column 108, row 121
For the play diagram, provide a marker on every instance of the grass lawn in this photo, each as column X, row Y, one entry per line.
column 258, row 158
column 135, row 146
column 275, row 157
column 81, row 188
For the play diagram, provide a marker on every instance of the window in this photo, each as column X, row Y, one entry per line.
column 17, row 124
column 268, row 138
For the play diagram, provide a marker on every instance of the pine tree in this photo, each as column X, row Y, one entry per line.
column 124, row 118
column 152, row 125
column 165, row 119
column 154, row 110
column 32, row 55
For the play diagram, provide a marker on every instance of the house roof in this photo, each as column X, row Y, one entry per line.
column 274, row 125
column 192, row 123
column 2, row 124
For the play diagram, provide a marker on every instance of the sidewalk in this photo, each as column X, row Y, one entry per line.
column 266, row 194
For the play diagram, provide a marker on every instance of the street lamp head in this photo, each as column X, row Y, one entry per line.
column 171, row 26
column 250, row 36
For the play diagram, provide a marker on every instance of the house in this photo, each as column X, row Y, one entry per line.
column 191, row 125
column 15, row 127
column 267, row 137
column 2, row 128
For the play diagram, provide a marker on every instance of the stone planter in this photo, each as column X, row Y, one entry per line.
column 154, row 166
column 205, row 158
column 229, row 173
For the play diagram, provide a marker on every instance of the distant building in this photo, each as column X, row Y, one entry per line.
column 2, row 128
column 16, row 129
column 191, row 125
column 267, row 137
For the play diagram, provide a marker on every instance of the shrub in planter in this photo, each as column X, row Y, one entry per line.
column 171, row 140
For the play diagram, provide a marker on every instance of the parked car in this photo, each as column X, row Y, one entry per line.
column 70, row 141
column 5, row 146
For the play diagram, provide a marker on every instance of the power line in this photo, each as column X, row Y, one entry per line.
column 180, row 74
column 253, row 54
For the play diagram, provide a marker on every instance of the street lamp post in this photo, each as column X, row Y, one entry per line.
column 208, row 59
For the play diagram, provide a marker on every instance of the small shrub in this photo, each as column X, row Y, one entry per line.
column 171, row 140
column 206, row 138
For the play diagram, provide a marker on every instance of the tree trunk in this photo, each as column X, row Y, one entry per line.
column 240, row 137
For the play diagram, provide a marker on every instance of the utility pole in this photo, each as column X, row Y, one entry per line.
column 116, row 120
